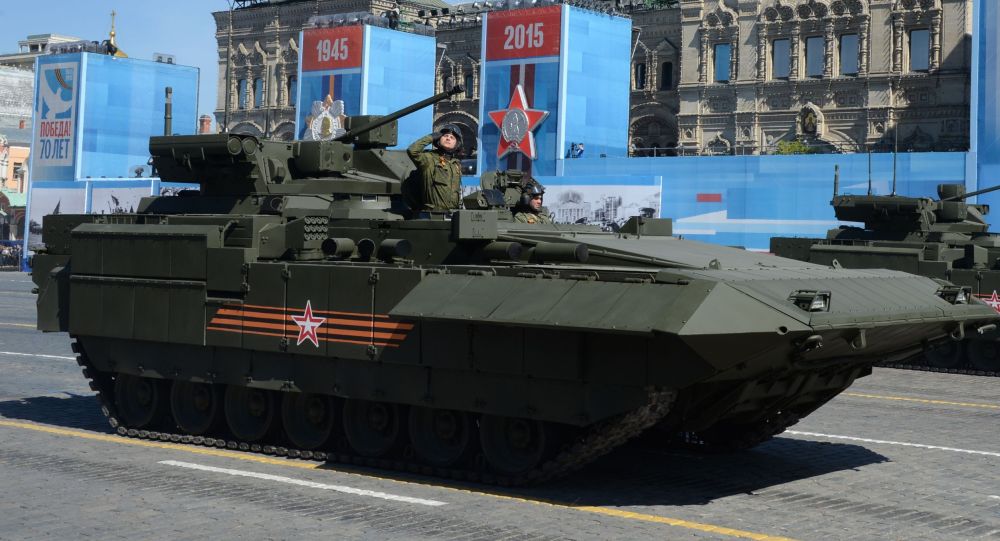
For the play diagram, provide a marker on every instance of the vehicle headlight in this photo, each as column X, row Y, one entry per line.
column 811, row 300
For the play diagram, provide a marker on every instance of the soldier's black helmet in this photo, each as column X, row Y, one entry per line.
column 529, row 191
column 454, row 130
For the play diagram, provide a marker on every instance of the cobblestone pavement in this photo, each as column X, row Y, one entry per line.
column 901, row 455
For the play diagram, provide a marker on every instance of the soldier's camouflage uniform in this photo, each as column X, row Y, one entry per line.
column 441, row 175
column 527, row 217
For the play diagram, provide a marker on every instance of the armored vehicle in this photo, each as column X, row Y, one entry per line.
column 944, row 238
column 292, row 305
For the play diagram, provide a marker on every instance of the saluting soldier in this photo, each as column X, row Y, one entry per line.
column 439, row 168
column 529, row 208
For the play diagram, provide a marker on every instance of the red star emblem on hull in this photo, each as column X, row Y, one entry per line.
column 308, row 324
column 516, row 124
column 992, row 300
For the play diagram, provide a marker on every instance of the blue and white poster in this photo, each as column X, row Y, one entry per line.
column 56, row 104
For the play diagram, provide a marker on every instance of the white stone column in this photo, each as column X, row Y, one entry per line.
column 935, row 62
column 734, row 55
column 897, row 43
column 864, row 43
column 793, row 56
column 703, row 76
column 761, row 53
column 831, row 51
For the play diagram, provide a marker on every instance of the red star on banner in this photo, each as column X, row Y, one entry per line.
column 516, row 124
column 308, row 325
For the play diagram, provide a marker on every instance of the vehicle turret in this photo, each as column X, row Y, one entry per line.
column 897, row 217
column 356, row 162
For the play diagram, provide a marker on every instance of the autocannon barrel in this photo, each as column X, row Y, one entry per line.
column 972, row 194
column 382, row 121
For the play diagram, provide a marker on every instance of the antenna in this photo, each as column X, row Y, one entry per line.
column 168, row 111
column 836, row 180
column 869, row 170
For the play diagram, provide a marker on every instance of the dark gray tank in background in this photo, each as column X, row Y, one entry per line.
column 945, row 238
column 293, row 305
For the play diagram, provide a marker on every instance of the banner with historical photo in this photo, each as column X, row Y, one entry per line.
column 608, row 206
column 45, row 201
column 57, row 83
column 116, row 198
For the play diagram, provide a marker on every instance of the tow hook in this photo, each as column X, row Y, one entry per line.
column 959, row 333
column 811, row 343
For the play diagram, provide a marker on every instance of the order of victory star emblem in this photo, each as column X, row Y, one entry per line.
column 308, row 324
column 516, row 123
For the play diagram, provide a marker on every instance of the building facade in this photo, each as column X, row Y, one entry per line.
column 259, row 56
column 707, row 76
column 830, row 75
column 16, row 95
column 31, row 47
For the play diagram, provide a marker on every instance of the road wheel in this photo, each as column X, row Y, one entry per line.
column 514, row 446
column 139, row 400
column 249, row 412
column 984, row 355
column 196, row 407
column 372, row 428
column 948, row 355
column 440, row 437
column 308, row 419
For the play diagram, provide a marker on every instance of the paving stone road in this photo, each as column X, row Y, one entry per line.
column 901, row 455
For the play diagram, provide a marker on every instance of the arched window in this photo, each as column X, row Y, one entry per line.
column 849, row 54
column 293, row 91
column 468, row 86
column 815, row 49
column 723, row 57
column 640, row 75
column 781, row 59
column 666, row 76
column 258, row 93
column 920, row 50
column 242, row 94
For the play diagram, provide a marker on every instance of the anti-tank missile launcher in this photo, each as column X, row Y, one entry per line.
column 293, row 305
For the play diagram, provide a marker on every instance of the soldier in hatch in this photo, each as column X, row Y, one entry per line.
column 529, row 209
column 439, row 168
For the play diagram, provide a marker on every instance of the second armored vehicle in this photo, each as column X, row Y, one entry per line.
column 945, row 238
column 294, row 306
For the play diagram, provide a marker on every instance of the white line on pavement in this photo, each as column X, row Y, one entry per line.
column 310, row 484
column 887, row 442
column 37, row 355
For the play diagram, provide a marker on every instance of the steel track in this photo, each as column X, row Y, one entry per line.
column 928, row 368
column 598, row 441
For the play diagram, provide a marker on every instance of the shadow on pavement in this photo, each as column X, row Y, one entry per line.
column 641, row 475
column 637, row 474
column 70, row 411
